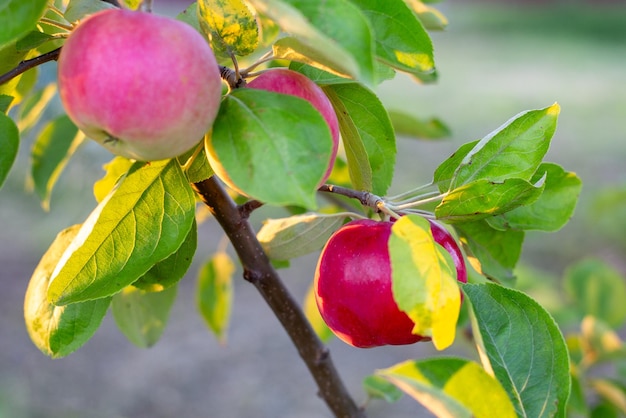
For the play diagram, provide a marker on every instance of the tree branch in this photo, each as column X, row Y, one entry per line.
column 259, row 271
column 366, row 198
column 28, row 64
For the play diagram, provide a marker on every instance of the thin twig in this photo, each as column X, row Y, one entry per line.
column 248, row 207
column 28, row 64
column 259, row 271
column 366, row 198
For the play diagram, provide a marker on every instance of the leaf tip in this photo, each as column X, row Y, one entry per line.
column 554, row 110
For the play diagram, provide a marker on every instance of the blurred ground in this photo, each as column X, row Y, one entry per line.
column 494, row 61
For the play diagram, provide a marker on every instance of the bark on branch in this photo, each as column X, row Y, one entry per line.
column 259, row 271
column 26, row 65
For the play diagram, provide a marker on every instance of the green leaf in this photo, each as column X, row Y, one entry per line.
column 451, row 387
column 141, row 222
column 32, row 40
column 214, row 294
column 446, row 171
column 491, row 252
column 59, row 330
column 365, row 126
column 23, row 86
column 230, row 25
column 9, row 58
column 431, row 18
column 79, row 9
column 552, row 210
column 331, row 34
column 115, row 169
column 269, row 146
column 424, row 280
column 170, row 271
column 9, row 144
column 597, row 289
column 320, row 77
column 33, row 107
column 196, row 165
column 312, row 313
column 54, row 146
column 484, row 198
column 514, row 150
column 523, row 347
column 19, row 17
column 401, row 41
column 359, row 169
column 605, row 410
column 607, row 214
column 5, row 103
column 190, row 17
column 142, row 315
column 287, row 238
column 378, row 387
column 408, row 125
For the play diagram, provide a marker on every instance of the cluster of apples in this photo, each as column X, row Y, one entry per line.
column 148, row 88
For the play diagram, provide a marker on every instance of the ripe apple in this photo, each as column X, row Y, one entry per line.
column 353, row 284
column 282, row 80
column 146, row 87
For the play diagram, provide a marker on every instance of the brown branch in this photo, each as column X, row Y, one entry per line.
column 247, row 208
column 24, row 66
column 259, row 271
column 366, row 198
column 230, row 76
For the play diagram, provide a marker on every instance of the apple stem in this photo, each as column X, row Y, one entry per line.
column 419, row 200
column 268, row 56
column 412, row 192
column 259, row 271
column 56, row 24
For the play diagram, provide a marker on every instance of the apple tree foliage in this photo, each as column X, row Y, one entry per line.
column 129, row 254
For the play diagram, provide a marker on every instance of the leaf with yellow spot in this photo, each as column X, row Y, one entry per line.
column 424, row 280
column 230, row 25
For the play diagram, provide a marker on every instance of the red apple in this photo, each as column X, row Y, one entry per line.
column 146, row 87
column 353, row 284
column 286, row 81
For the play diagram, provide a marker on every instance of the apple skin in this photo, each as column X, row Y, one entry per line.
column 146, row 87
column 353, row 284
column 284, row 81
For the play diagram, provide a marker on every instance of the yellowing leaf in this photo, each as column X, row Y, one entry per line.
column 230, row 25
column 59, row 330
column 215, row 293
column 424, row 280
column 315, row 318
column 451, row 387
column 115, row 169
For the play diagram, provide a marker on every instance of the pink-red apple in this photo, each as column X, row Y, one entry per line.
column 146, row 87
column 286, row 81
column 353, row 284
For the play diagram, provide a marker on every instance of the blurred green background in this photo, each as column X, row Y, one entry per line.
column 495, row 60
